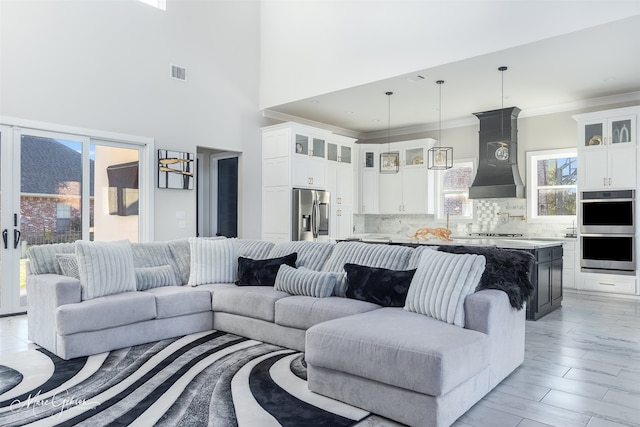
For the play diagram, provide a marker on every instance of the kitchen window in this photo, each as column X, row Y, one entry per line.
column 453, row 190
column 552, row 184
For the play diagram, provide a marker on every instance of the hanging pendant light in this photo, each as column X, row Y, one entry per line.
column 389, row 161
column 498, row 152
column 440, row 158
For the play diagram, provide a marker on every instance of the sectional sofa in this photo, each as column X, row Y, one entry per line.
column 395, row 330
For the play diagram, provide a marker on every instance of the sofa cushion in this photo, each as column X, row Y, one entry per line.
column 257, row 302
column 302, row 281
column 42, row 258
column 412, row 351
column 262, row 272
column 212, row 261
column 174, row 301
column 382, row 286
column 68, row 265
column 311, row 255
column 372, row 255
column 105, row 268
column 182, row 255
column 442, row 282
column 254, row 249
column 302, row 312
column 154, row 277
column 105, row 312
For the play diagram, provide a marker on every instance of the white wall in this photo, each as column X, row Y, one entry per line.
column 313, row 47
column 104, row 65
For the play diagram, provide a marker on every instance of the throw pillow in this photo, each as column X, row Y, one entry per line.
column 42, row 258
column 442, row 282
column 69, row 265
column 212, row 261
column 105, row 268
column 305, row 282
column 380, row 286
column 262, row 272
column 155, row 277
column 508, row 270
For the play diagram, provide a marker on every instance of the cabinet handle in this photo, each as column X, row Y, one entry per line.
column 606, row 284
column 609, row 181
column 604, row 182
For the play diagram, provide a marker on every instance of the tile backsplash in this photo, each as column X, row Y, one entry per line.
column 491, row 216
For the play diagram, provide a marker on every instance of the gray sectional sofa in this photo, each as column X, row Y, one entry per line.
column 424, row 364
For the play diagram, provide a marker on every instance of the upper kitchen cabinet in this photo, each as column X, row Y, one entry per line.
column 369, row 168
column 407, row 192
column 309, row 159
column 607, row 149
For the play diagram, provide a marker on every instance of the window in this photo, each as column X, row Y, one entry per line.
column 63, row 217
column 552, row 184
column 453, row 190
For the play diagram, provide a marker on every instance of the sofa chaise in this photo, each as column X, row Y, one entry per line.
column 422, row 354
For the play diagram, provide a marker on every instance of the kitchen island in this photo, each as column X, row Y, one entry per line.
column 546, row 275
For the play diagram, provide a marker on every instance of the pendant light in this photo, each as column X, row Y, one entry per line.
column 389, row 161
column 499, row 151
column 440, row 158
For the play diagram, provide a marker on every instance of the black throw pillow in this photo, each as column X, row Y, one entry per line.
column 378, row 285
column 508, row 270
column 262, row 272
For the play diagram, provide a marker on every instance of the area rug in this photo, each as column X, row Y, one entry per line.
column 206, row 379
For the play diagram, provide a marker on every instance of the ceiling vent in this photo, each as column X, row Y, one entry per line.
column 417, row 78
column 178, row 73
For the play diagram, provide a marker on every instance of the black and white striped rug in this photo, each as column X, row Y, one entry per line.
column 211, row 378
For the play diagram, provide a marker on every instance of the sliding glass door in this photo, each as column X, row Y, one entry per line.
column 59, row 188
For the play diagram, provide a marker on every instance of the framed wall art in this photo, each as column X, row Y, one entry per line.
column 175, row 169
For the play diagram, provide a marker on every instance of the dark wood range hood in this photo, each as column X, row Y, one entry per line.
column 498, row 177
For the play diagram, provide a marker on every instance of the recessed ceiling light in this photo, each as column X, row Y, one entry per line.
column 609, row 79
column 417, row 78
column 375, row 120
column 315, row 101
column 350, row 112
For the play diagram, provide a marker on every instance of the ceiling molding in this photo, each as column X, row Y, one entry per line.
column 456, row 123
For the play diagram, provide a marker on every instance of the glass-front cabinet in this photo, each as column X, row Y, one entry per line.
column 616, row 131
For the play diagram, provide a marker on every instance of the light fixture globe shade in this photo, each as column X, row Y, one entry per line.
column 502, row 153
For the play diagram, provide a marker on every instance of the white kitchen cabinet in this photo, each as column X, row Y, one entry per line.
column 406, row 192
column 608, row 283
column 569, row 263
column 607, row 154
column 339, row 179
column 300, row 156
column 369, row 179
column 607, row 168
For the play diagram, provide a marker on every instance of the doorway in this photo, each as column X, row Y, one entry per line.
column 218, row 189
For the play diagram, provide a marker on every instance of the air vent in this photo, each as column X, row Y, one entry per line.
column 417, row 78
column 178, row 72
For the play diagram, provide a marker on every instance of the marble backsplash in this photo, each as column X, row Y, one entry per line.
column 487, row 219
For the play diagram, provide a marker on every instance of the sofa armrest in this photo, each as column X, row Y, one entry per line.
column 45, row 293
column 489, row 311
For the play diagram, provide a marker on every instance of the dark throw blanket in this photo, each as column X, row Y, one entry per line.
column 508, row 270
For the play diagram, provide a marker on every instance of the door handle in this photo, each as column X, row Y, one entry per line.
column 16, row 238
column 4, row 237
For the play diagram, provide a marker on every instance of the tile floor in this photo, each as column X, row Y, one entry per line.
column 582, row 368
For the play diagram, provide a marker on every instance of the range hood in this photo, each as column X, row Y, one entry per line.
column 498, row 175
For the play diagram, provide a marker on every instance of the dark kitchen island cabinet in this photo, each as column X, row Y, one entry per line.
column 547, row 280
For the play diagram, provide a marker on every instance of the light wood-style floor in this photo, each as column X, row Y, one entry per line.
column 582, row 368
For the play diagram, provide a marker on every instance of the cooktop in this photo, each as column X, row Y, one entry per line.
column 496, row 234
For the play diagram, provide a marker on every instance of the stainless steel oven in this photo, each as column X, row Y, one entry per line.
column 606, row 212
column 608, row 253
column 608, row 232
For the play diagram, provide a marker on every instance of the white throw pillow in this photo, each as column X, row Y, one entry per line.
column 105, row 268
column 442, row 282
column 213, row 261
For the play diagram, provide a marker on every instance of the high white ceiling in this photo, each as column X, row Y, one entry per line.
column 566, row 70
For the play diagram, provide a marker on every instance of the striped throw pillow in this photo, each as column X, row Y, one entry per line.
column 213, row 261
column 155, row 277
column 105, row 268
column 442, row 282
column 302, row 281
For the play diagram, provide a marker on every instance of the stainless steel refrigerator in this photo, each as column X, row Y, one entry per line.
column 310, row 214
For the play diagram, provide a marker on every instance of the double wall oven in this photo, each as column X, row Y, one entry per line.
column 608, row 232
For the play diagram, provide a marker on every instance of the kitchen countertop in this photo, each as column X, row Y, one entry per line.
column 500, row 242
